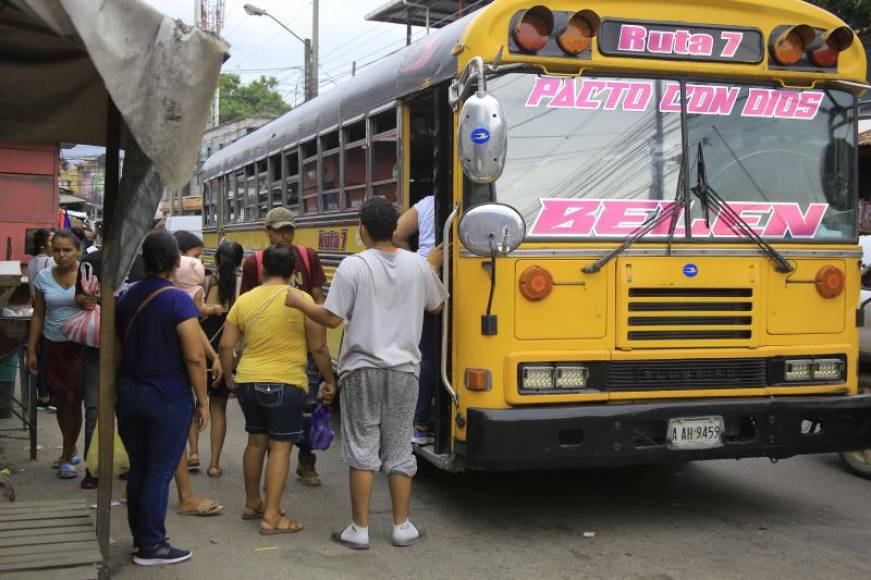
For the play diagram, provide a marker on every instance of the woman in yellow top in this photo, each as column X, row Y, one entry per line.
column 270, row 383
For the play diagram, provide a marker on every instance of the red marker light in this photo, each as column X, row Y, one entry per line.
column 534, row 29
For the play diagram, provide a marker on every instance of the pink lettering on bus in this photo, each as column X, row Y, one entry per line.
column 635, row 38
column 618, row 218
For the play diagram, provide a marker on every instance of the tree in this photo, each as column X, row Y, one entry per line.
column 856, row 13
column 258, row 98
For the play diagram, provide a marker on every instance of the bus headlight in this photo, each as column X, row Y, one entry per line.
column 571, row 377
column 538, row 378
column 814, row 370
column 556, row 376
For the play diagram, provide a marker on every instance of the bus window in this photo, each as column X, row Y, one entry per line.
column 291, row 172
column 330, row 152
column 276, row 181
column 262, row 203
column 355, row 165
column 240, row 197
column 310, row 177
column 385, row 169
column 251, row 190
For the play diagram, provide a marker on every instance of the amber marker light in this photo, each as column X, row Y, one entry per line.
column 578, row 33
column 535, row 283
column 835, row 41
column 829, row 281
column 534, row 29
column 478, row 380
column 790, row 45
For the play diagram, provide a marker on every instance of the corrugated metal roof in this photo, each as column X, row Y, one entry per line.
column 414, row 12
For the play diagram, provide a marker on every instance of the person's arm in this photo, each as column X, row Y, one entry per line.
column 406, row 227
column 190, row 336
column 436, row 293
column 212, row 356
column 37, row 322
column 316, row 276
column 249, row 275
column 316, row 336
column 316, row 312
column 229, row 339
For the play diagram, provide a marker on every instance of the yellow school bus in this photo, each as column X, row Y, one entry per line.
column 649, row 215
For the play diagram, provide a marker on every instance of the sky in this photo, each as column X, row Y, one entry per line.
column 259, row 46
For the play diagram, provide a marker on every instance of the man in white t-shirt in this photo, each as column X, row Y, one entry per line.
column 381, row 295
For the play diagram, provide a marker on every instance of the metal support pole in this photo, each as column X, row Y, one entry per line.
column 106, row 404
column 311, row 88
column 314, row 46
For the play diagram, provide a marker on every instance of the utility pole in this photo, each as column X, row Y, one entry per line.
column 314, row 46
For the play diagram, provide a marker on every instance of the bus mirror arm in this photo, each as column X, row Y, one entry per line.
column 446, row 311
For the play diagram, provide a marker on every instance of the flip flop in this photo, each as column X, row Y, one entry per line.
column 259, row 514
column 336, row 536
column 215, row 472
column 203, row 509
column 67, row 471
column 194, row 463
column 293, row 527
column 75, row 460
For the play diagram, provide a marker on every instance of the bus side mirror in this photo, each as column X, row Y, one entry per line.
column 483, row 138
column 492, row 229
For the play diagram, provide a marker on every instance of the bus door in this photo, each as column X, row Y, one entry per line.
column 430, row 150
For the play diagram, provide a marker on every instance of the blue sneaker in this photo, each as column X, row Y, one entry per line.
column 421, row 437
column 160, row 555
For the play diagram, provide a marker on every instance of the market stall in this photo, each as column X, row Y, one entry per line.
column 119, row 74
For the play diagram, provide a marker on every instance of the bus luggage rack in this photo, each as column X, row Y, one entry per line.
column 662, row 314
column 687, row 374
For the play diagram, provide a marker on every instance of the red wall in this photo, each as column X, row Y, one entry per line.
column 28, row 193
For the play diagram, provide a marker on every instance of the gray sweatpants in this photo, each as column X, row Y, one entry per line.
column 377, row 417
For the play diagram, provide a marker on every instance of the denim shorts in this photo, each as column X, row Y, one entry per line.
column 272, row 409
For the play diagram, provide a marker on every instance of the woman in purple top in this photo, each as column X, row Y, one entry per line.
column 161, row 357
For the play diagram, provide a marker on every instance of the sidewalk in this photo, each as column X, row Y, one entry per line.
column 224, row 546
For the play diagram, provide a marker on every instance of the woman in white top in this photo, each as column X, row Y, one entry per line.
column 41, row 258
column 420, row 220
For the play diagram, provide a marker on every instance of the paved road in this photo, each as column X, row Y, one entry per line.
column 801, row 518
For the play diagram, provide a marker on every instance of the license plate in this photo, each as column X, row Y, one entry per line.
column 695, row 433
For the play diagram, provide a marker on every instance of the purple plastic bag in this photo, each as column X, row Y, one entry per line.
column 321, row 432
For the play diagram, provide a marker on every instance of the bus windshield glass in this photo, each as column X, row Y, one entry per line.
column 595, row 157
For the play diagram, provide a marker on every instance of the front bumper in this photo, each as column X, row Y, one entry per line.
column 614, row 435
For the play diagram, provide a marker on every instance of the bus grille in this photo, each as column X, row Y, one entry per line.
column 699, row 314
column 687, row 374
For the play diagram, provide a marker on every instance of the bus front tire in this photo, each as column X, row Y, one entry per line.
column 859, row 462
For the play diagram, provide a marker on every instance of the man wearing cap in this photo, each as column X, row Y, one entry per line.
column 308, row 276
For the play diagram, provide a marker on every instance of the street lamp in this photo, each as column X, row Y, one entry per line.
column 311, row 67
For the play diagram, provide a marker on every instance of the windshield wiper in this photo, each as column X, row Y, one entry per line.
column 710, row 199
column 669, row 215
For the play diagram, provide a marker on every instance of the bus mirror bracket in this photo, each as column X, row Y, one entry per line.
column 491, row 230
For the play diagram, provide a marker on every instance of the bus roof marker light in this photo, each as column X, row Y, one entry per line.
column 834, row 42
column 789, row 46
column 578, row 32
column 534, row 28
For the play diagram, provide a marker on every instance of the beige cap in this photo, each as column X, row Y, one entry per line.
column 280, row 217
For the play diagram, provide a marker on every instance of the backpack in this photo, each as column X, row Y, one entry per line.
column 303, row 252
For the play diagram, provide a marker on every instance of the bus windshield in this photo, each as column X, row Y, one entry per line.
column 594, row 157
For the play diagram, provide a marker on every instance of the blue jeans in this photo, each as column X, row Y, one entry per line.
column 90, row 392
column 426, row 382
column 155, row 432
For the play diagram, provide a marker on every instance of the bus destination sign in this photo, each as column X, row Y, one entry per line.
column 677, row 41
